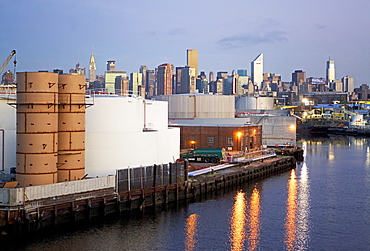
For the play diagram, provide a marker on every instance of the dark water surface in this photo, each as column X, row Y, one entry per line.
column 324, row 204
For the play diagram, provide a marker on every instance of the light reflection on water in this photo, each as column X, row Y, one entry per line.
column 291, row 215
column 322, row 205
column 237, row 221
column 191, row 232
column 303, row 213
column 254, row 220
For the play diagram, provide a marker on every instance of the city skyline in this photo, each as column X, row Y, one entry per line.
column 48, row 36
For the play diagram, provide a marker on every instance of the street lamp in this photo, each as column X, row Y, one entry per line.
column 192, row 144
column 240, row 134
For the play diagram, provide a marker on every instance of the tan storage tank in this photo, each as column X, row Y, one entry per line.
column 71, row 127
column 37, row 128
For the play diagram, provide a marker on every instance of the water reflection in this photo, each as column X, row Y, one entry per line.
column 254, row 220
column 238, row 220
column 191, row 232
column 303, row 209
column 291, row 216
column 297, row 220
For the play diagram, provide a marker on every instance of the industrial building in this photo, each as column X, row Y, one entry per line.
column 276, row 130
column 190, row 106
column 43, row 134
column 236, row 137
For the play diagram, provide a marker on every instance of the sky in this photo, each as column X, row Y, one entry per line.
column 292, row 34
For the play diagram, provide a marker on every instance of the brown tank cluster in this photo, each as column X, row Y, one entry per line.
column 50, row 128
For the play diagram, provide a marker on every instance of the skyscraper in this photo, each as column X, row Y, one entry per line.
column 298, row 77
column 211, row 76
column 164, row 79
column 188, row 80
column 192, row 60
column 151, row 82
column 92, row 68
column 348, row 83
column 143, row 69
column 110, row 76
column 330, row 71
column 257, row 71
column 136, row 81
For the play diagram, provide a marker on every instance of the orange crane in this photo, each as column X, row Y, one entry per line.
column 7, row 61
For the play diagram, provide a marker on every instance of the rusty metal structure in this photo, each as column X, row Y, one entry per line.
column 50, row 128
column 71, row 127
column 37, row 128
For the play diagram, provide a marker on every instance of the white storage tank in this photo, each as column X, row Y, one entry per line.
column 251, row 102
column 126, row 132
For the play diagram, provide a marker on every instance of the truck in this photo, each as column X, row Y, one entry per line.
column 208, row 155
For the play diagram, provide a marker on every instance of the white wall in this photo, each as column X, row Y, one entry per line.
column 115, row 137
column 8, row 124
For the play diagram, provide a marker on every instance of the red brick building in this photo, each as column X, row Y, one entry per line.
column 230, row 137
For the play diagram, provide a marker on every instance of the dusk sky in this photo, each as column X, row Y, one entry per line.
column 292, row 34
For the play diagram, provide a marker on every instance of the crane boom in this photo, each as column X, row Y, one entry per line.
column 7, row 61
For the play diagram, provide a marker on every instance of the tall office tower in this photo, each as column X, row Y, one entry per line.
column 243, row 82
column 257, row 70
column 228, row 86
column 92, row 68
column 202, row 85
column 110, row 76
column 348, row 84
column 121, row 85
column 242, row 73
column 330, row 71
column 143, row 69
column 136, row 81
column 178, row 80
column 188, row 80
column 164, row 79
column 111, row 65
column 298, row 77
column 211, row 76
column 151, row 82
column 192, row 60
column 336, row 85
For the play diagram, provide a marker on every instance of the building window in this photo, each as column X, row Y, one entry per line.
column 229, row 141
column 211, row 140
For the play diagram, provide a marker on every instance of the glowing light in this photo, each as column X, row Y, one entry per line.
column 254, row 220
column 238, row 221
column 239, row 134
column 292, row 127
column 191, row 232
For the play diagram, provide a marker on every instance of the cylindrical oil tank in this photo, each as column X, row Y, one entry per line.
column 71, row 127
column 258, row 103
column 37, row 128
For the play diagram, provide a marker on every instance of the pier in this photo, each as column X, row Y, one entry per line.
column 26, row 210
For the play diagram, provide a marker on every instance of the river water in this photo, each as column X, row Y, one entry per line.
column 324, row 204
